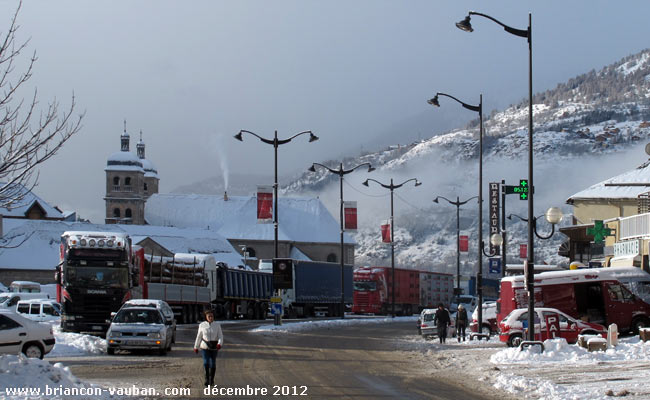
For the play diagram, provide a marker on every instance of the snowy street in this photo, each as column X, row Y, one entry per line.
column 359, row 357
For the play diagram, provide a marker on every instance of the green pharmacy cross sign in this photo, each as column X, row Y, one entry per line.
column 521, row 190
column 599, row 231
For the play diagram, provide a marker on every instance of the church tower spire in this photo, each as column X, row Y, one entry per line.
column 140, row 147
column 125, row 139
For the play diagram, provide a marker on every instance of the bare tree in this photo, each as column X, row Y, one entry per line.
column 24, row 142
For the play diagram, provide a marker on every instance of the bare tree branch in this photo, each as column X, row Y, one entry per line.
column 25, row 144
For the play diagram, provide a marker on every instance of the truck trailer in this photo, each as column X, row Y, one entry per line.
column 414, row 290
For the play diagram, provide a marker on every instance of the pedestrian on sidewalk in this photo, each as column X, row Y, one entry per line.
column 442, row 321
column 209, row 339
column 461, row 323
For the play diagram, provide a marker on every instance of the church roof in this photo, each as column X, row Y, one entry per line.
column 628, row 185
column 124, row 161
column 150, row 170
column 303, row 220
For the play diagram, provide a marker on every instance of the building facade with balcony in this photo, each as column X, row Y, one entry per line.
column 130, row 180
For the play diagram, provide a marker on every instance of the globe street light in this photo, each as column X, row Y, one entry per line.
column 392, row 187
column 553, row 216
column 275, row 142
column 456, row 203
column 341, row 172
column 466, row 25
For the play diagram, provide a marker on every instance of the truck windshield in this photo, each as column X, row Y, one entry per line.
column 365, row 286
column 97, row 276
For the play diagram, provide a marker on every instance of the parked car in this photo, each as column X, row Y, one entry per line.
column 489, row 319
column 160, row 305
column 9, row 300
column 134, row 328
column 21, row 335
column 428, row 329
column 39, row 310
column 469, row 302
column 512, row 328
column 25, row 287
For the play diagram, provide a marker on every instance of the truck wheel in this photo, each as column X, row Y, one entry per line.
column 250, row 312
column 639, row 323
column 486, row 330
column 227, row 313
column 110, row 351
column 514, row 340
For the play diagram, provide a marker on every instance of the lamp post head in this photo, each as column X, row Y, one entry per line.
column 417, row 183
column 365, row 183
column 434, row 101
column 554, row 215
column 371, row 168
column 239, row 137
column 312, row 168
column 435, row 200
column 312, row 137
column 496, row 239
column 465, row 25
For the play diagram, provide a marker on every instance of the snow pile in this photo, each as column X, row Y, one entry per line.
column 309, row 325
column 35, row 377
column 75, row 344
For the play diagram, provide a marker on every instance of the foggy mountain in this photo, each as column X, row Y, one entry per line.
column 585, row 130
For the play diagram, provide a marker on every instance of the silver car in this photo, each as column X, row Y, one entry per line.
column 137, row 328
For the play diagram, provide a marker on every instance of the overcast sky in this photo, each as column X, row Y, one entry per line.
column 190, row 75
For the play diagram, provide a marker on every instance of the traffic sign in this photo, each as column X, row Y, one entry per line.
column 276, row 299
column 276, row 308
column 495, row 265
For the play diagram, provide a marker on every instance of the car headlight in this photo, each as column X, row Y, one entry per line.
column 155, row 335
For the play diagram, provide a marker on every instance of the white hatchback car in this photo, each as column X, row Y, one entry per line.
column 428, row 329
column 21, row 335
column 160, row 305
column 139, row 328
column 39, row 310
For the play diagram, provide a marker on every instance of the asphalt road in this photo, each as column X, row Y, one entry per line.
column 342, row 362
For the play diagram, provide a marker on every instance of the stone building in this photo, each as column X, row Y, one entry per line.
column 130, row 180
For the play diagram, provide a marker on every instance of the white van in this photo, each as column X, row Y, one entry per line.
column 9, row 300
column 25, row 287
column 39, row 310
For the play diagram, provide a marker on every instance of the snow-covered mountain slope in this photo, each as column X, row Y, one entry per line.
column 586, row 130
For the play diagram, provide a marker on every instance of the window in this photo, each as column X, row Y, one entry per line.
column 116, row 213
column 127, row 213
column 145, row 186
column 331, row 257
column 49, row 310
column 251, row 252
column 36, row 309
column 7, row 323
column 127, row 181
column 23, row 308
column 116, row 181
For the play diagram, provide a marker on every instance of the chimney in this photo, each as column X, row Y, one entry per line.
column 225, row 196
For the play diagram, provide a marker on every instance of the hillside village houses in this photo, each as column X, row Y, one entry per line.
column 165, row 224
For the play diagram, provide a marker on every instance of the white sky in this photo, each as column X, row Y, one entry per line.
column 191, row 75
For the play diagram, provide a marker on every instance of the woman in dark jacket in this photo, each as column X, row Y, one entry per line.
column 461, row 322
column 442, row 321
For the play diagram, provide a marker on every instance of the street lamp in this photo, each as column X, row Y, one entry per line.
column 479, row 275
column 275, row 142
column 466, row 25
column 341, row 172
column 456, row 203
column 392, row 187
column 553, row 216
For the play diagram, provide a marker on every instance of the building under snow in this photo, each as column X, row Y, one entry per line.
column 306, row 229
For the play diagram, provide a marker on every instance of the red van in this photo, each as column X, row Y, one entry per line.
column 591, row 295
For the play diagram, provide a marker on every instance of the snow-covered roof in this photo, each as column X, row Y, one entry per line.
column 20, row 208
column 579, row 275
column 150, row 170
column 123, row 161
column 300, row 219
column 38, row 242
column 628, row 185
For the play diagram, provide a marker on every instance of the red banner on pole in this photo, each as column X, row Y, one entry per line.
column 264, row 204
column 464, row 243
column 523, row 251
column 385, row 233
column 350, row 215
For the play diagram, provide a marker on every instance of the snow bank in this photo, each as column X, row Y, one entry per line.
column 35, row 377
column 75, row 344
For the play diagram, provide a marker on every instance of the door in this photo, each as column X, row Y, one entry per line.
column 35, row 313
column 619, row 305
column 12, row 335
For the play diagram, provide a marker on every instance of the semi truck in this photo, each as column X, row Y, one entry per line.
column 316, row 289
column 240, row 293
column 414, row 290
column 94, row 277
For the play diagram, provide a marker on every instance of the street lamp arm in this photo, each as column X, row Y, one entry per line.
column 347, row 171
column 239, row 136
column 515, row 215
column 334, row 171
column 486, row 254
column 465, row 105
column 312, row 137
column 540, row 236
column 365, row 183
column 448, row 201
column 417, row 183
column 517, row 32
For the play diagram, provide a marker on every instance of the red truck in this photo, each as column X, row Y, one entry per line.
column 414, row 290
column 598, row 295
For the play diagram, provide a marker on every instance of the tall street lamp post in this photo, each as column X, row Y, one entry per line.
column 479, row 275
column 392, row 187
column 341, row 172
column 456, row 203
column 275, row 142
column 527, row 33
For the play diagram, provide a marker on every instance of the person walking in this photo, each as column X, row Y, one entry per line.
column 209, row 340
column 461, row 322
column 442, row 321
